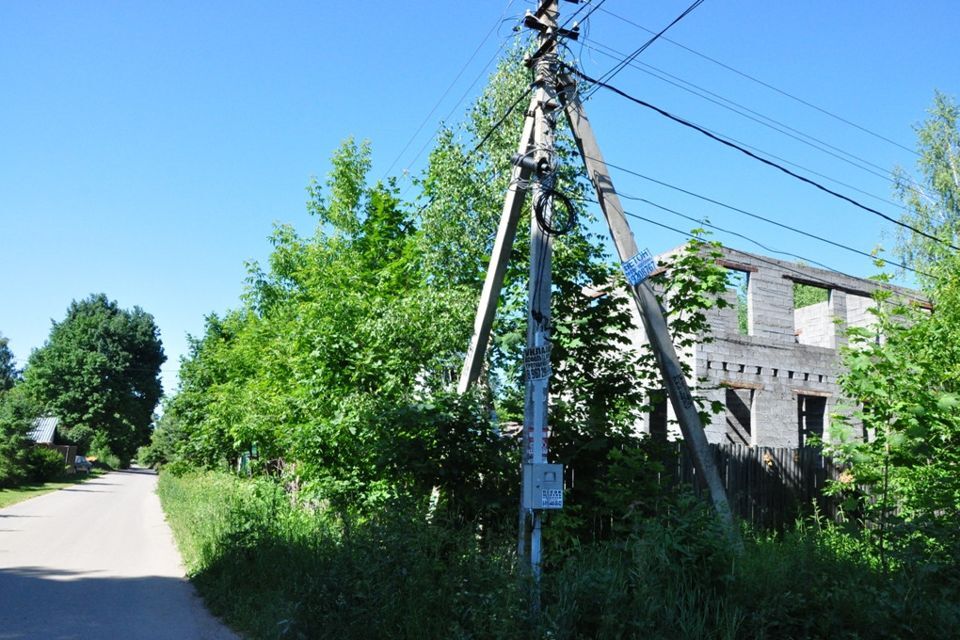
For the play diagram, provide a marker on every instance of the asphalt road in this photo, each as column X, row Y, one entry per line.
column 97, row 560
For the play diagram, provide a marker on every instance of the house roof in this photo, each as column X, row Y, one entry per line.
column 44, row 429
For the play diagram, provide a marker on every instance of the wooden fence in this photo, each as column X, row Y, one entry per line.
column 769, row 487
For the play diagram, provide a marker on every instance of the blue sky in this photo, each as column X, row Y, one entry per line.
column 147, row 148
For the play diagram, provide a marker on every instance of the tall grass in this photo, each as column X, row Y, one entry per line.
column 275, row 569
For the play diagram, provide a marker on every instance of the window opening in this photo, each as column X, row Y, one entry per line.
column 738, row 282
column 658, row 415
column 811, row 411
column 812, row 321
column 738, row 415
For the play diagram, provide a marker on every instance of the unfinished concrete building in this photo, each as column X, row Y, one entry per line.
column 774, row 360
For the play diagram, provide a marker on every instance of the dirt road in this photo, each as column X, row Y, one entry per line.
column 96, row 560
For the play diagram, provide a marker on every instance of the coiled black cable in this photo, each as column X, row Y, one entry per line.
column 548, row 197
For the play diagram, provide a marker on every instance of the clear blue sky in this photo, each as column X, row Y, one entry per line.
column 146, row 148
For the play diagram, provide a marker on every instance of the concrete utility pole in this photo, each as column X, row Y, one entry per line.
column 654, row 322
column 537, row 354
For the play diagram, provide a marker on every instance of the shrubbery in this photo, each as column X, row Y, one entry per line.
column 45, row 464
column 276, row 568
column 102, row 454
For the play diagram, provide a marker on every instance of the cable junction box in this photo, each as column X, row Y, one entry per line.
column 542, row 486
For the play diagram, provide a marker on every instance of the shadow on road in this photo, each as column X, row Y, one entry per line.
column 82, row 491
column 54, row 604
column 138, row 471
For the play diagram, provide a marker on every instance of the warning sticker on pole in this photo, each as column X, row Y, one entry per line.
column 536, row 363
column 639, row 267
column 551, row 499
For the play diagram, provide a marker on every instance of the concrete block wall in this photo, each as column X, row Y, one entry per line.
column 776, row 375
column 770, row 306
column 770, row 361
column 858, row 311
column 813, row 325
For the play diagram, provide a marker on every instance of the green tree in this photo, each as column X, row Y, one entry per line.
column 99, row 372
column 335, row 331
column 20, row 460
column 932, row 204
column 8, row 371
column 902, row 374
column 907, row 388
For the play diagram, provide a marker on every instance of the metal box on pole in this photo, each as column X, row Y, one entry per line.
column 542, row 486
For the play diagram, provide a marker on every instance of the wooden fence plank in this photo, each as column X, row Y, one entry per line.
column 769, row 487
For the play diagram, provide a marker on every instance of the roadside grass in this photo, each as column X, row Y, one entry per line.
column 275, row 569
column 14, row 495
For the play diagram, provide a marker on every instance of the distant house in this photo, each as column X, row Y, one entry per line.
column 771, row 365
column 44, row 429
column 43, row 434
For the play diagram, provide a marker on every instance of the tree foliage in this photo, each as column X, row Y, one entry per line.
column 902, row 375
column 8, row 370
column 907, row 386
column 99, row 372
column 335, row 373
column 337, row 330
column 932, row 203
column 20, row 460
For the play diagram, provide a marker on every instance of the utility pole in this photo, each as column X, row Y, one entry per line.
column 654, row 322
column 537, row 354
column 535, row 165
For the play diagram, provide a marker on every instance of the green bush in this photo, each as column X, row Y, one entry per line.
column 273, row 568
column 276, row 566
column 45, row 464
column 101, row 452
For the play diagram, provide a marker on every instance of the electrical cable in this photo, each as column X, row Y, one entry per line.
column 766, row 84
column 450, row 87
column 499, row 122
column 756, row 116
column 780, row 265
column 548, row 194
column 609, row 75
column 705, row 223
column 757, row 216
column 766, row 161
column 789, row 162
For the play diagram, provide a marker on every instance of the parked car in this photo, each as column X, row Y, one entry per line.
column 82, row 464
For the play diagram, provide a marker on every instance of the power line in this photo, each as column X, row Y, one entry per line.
column 756, row 116
column 791, row 163
column 706, row 223
column 782, row 159
column 656, row 36
column 786, row 267
column 794, row 164
column 593, row 8
column 767, row 85
column 757, row 216
column 446, row 91
column 499, row 122
column 463, row 96
column 766, row 161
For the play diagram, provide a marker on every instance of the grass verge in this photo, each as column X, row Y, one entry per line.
column 12, row 496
